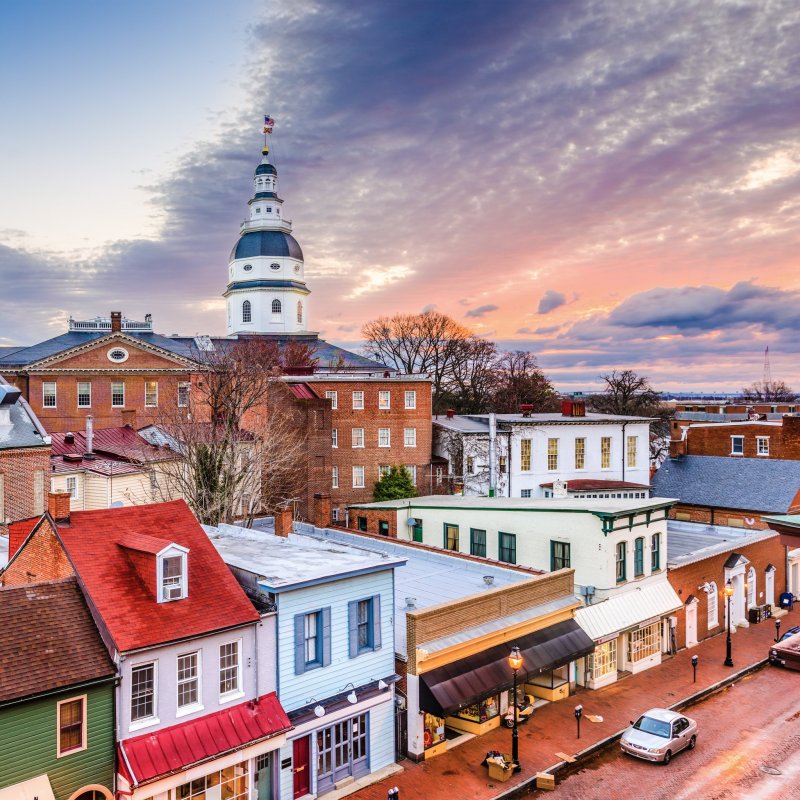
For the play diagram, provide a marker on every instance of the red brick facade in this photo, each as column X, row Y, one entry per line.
column 687, row 580
column 370, row 520
column 24, row 483
column 782, row 439
column 749, row 520
column 42, row 559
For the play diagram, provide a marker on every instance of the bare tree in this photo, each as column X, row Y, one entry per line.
column 471, row 377
column 518, row 380
column 769, row 392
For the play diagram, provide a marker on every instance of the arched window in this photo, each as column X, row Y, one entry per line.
column 247, row 314
column 299, row 310
column 713, row 605
column 276, row 306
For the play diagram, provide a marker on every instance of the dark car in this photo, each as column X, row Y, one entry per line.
column 786, row 652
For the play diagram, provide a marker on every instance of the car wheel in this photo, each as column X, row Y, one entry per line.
column 692, row 743
column 509, row 723
column 667, row 757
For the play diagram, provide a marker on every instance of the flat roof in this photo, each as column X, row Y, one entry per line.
column 479, row 423
column 294, row 561
column 688, row 542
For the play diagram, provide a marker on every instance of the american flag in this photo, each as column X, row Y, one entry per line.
column 268, row 124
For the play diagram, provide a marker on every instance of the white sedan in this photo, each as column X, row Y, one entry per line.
column 658, row 735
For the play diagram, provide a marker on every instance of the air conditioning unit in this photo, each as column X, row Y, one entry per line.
column 173, row 592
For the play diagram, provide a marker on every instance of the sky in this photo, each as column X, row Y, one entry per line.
column 608, row 185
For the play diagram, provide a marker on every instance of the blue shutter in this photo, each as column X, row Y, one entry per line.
column 352, row 623
column 326, row 636
column 299, row 644
column 376, row 622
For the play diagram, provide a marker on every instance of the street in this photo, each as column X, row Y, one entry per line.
column 747, row 732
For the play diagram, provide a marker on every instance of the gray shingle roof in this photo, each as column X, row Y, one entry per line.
column 18, row 424
column 749, row 484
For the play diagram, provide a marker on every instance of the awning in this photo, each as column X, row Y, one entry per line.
column 627, row 610
column 175, row 749
column 38, row 787
column 447, row 689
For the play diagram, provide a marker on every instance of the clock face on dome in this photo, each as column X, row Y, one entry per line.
column 297, row 268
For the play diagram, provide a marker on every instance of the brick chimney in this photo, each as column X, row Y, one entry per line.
column 283, row 521
column 129, row 417
column 677, row 448
column 322, row 510
column 450, row 413
column 58, row 506
column 573, row 408
column 116, row 321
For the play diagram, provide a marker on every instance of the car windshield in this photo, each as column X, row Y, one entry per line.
column 790, row 633
column 655, row 726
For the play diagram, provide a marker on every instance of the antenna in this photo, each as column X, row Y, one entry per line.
column 767, row 370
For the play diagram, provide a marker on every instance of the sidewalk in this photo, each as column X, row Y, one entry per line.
column 458, row 773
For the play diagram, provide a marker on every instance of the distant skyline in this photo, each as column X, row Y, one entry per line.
column 608, row 185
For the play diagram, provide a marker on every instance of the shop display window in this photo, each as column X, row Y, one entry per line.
column 232, row 783
column 644, row 643
column 604, row 659
column 434, row 730
column 481, row 712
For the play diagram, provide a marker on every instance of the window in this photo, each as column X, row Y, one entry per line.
column 470, row 465
column 246, row 268
column 638, row 557
column 299, row 311
column 644, row 643
column 411, row 399
column 559, row 555
column 357, row 436
column 621, row 562
column 525, row 455
column 503, row 464
column 633, row 442
column 334, row 477
column 713, row 608
column 362, row 523
column 411, row 469
column 762, row 445
column 383, row 470
column 276, row 306
column 364, row 622
column 383, row 527
column 655, row 552
column 525, row 493
column 188, row 679
column 384, row 435
column 384, row 399
column 358, row 477
column 228, row 668
column 552, row 454
column 118, row 354
column 275, row 265
column 232, row 782
column 143, row 691
column 477, row 542
column 439, row 475
column 358, row 400
column 71, row 726
column 605, row 452
column 72, row 487
column 409, row 437
column 84, row 394
column 49, row 394
column 173, row 583
column 580, row 454
column 417, row 530
column 507, row 547
column 117, row 394
column 603, row 660
column 335, row 511
column 183, row 395
column 334, row 437
column 737, row 445
column 247, row 312
column 312, row 640
column 450, row 536
column 151, row 394
column 334, row 398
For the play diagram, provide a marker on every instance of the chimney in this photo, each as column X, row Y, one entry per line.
column 322, row 510
column 450, row 413
column 525, row 409
column 89, row 436
column 116, row 321
column 677, row 448
column 69, row 437
column 573, row 408
column 58, row 506
column 128, row 416
column 283, row 521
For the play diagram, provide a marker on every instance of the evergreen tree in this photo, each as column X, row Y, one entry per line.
column 396, row 484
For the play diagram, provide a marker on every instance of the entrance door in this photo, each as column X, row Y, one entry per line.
column 263, row 777
column 342, row 751
column 302, row 777
column 691, row 623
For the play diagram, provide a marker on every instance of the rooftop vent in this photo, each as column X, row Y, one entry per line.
column 411, row 603
column 69, row 438
column 526, row 409
column 450, row 413
column 488, row 579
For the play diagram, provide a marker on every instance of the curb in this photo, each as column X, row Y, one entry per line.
column 564, row 768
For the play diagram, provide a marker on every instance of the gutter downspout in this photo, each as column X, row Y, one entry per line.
column 624, row 450
column 492, row 455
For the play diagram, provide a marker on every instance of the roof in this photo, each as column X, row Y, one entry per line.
column 253, row 244
column 294, row 561
column 48, row 640
column 749, row 484
column 589, row 485
column 117, row 589
column 689, row 542
column 663, row 714
column 479, row 423
column 123, row 442
column 109, row 467
column 179, row 747
column 624, row 611
column 302, row 391
column 19, row 427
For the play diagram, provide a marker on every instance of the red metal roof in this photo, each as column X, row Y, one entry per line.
column 302, row 390
column 94, row 542
column 122, row 442
column 179, row 747
column 588, row 485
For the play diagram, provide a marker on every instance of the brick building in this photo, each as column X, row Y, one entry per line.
column 778, row 439
column 701, row 559
column 24, row 459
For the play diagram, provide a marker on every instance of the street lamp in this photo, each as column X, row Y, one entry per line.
column 728, row 591
column 515, row 662
column 694, row 668
column 578, row 715
column 777, row 630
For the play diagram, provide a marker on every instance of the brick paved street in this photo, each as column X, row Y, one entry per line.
column 552, row 729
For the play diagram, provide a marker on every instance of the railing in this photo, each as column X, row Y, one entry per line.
column 105, row 325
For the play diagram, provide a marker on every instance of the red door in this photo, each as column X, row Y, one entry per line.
column 302, row 776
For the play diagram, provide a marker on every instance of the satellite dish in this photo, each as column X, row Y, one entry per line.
column 411, row 522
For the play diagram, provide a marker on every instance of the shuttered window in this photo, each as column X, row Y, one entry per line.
column 312, row 640
column 364, row 623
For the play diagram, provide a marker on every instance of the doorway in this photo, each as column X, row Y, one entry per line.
column 263, row 776
column 691, row 622
column 300, row 770
column 342, row 751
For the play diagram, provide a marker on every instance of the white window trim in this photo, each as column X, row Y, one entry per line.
column 173, row 551
column 334, row 398
column 353, row 438
column 361, row 485
column 84, row 726
column 334, row 438
column 122, row 404
column 358, row 407
column 335, row 476
column 237, row 693
column 405, row 437
column 183, row 385
column 73, row 478
column 388, row 437
column 54, row 384
column 733, row 452
column 759, row 440
column 146, row 404
column 191, row 708
column 412, row 406
column 78, row 394
column 144, row 722
column 388, row 405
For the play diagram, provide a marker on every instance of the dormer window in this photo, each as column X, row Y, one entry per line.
column 173, row 583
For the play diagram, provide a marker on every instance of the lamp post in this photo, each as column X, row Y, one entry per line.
column 578, row 715
column 777, row 630
column 694, row 669
column 728, row 591
column 515, row 662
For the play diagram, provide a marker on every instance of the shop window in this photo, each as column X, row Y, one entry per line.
column 481, row 712
column 507, row 547
column 603, row 661
column 230, row 783
column 559, row 555
column 364, row 624
column 342, row 752
column 638, row 557
column 450, row 537
column 477, row 542
column 434, row 731
column 644, row 643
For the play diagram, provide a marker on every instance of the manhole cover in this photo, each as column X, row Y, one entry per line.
column 771, row 770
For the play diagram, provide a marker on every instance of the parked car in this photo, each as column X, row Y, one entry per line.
column 786, row 652
column 658, row 735
column 791, row 632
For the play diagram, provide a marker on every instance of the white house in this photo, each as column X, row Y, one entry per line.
column 524, row 455
column 617, row 548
